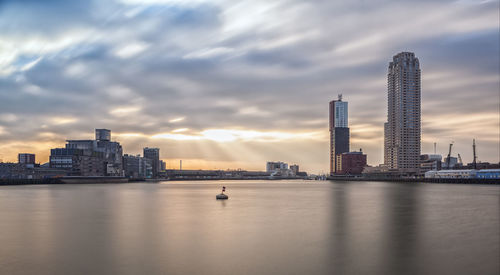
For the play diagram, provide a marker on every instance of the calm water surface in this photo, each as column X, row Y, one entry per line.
column 266, row 227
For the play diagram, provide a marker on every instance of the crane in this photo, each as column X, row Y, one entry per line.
column 449, row 156
column 460, row 159
column 474, row 164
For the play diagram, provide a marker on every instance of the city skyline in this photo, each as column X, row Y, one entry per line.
column 211, row 82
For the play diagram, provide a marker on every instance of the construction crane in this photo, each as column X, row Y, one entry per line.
column 460, row 160
column 474, row 163
column 449, row 156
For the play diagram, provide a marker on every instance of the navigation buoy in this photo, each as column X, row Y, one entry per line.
column 222, row 196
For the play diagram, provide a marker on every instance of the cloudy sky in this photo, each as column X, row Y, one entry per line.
column 231, row 84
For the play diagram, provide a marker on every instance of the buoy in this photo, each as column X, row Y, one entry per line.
column 222, row 196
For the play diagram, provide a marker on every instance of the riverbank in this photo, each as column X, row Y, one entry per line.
column 427, row 180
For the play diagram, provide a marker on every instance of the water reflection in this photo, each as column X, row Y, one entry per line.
column 266, row 228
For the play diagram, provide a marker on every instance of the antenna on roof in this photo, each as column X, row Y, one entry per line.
column 340, row 97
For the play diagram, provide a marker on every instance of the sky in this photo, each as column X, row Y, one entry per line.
column 232, row 84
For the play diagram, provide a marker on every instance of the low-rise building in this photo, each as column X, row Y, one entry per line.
column 351, row 163
column 273, row 166
column 430, row 162
column 488, row 174
column 451, row 174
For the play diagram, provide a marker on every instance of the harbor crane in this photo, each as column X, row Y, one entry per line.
column 460, row 160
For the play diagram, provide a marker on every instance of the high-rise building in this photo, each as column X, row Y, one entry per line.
column 339, row 131
column 402, row 129
column 154, row 155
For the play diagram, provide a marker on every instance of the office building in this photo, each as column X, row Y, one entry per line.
column 137, row 167
column 402, row 129
column 339, row 131
column 154, row 155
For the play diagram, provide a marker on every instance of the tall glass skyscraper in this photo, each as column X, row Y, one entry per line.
column 402, row 129
column 339, row 132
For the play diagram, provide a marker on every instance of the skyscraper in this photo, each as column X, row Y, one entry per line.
column 402, row 129
column 154, row 155
column 339, row 132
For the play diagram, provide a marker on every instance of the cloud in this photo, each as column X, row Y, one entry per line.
column 253, row 77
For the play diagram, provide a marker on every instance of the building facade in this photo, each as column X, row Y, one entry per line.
column 273, row 166
column 153, row 154
column 402, row 129
column 78, row 162
column 351, row 163
column 339, row 131
column 137, row 167
column 429, row 162
column 26, row 158
column 99, row 157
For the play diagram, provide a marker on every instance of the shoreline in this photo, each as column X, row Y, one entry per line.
column 117, row 180
column 422, row 180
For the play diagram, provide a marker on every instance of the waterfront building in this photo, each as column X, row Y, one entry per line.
column 137, row 167
column 9, row 170
column 295, row 169
column 402, row 129
column 488, row 174
column 339, row 131
column 99, row 157
column 154, row 155
column 78, row 162
column 273, row 166
column 350, row 163
column 25, row 158
column 451, row 174
column 430, row 162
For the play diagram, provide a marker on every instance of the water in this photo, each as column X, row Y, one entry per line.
column 266, row 227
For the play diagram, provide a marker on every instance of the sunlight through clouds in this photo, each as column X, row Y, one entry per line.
column 218, row 81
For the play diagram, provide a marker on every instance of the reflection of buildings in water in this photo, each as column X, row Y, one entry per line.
column 372, row 229
column 400, row 236
column 338, row 250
